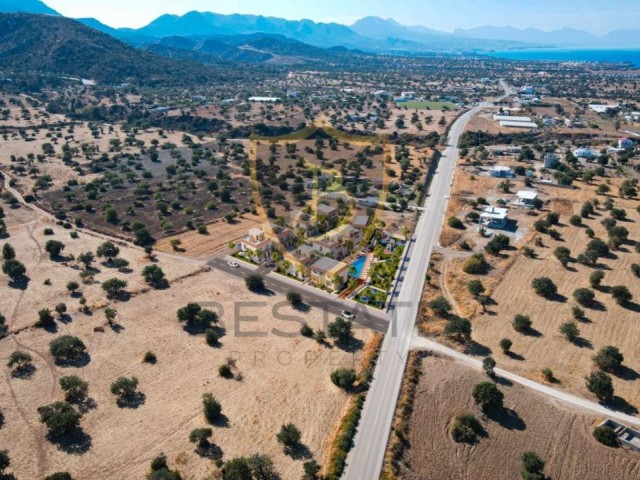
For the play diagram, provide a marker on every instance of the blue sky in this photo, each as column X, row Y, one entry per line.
column 598, row 16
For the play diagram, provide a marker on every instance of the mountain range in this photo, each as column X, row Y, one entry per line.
column 55, row 46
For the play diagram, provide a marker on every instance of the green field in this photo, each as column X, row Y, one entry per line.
column 427, row 105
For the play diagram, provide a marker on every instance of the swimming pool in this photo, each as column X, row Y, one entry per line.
column 358, row 265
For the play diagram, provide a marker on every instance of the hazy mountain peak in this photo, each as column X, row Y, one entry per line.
column 26, row 6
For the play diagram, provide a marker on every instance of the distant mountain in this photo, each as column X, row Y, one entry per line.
column 49, row 45
column 26, row 6
column 254, row 48
column 211, row 24
column 389, row 29
column 565, row 37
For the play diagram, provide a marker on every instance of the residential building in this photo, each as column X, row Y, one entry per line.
column 501, row 172
column 329, row 273
column 551, row 160
column 330, row 246
column 625, row 143
column 256, row 246
column 361, row 221
column 586, row 153
column 494, row 217
column 526, row 198
column 281, row 236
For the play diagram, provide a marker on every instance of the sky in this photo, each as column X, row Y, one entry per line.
column 597, row 16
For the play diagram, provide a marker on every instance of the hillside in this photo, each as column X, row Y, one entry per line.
column 59, row 46
column 26, row 6
column 254, row 48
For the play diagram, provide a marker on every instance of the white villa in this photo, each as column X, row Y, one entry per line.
column 526, row 198
column 494, row 217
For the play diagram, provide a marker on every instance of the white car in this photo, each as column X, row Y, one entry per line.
column 233, row 264
column 348, row 315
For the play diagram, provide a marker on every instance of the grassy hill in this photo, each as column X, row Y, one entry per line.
column 49, row 45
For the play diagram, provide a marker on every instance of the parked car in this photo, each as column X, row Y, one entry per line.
column 233, row 264
column 348, row 315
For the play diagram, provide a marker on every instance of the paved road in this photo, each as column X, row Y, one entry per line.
column 365, row 317
column 366, row 458
column 573, row 400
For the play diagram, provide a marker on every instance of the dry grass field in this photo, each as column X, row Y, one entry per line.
column 508, row 283
column 607, row 323
column 562, row 437
column 281, row 377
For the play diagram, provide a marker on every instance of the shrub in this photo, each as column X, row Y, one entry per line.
column 621, row 294
column 455, row 222
column 60, row 418
column 544, row 287
column 289, row 436
column 108, row 250
column 595, row 279
column 584, row 296
column 211, row 408
column 563, row 254
column 254, row 282
column 54, row 248
column 154, row 276
column 114, row 287
column 224, row 371
column 59, row 476
column 505, row 345
column 532, row 466
column 575, row 220
column 75, row 388
column 201, row 436
column 124, row 387
column 193, row 315
column 458, row 329
column 149, row 357
column 440, row 306
column 635, row 269
column 8, row 253
column 344, row 377
column 67, row 348
column 306, row 330
column 488, row 396
column 465, row 428
column 606, row 436
column 570, row 331
column 521, row 323
column 475, row 288
column 475, row 265
column 13, row 269
column 547, row 373
column 294, row 298
column 488, row 364
column 340, row 331
column 212, row 337
column 601, row 385
column 497, row 244
column 21, row 360
column 609, row 359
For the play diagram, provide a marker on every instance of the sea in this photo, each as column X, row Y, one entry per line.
column 571, row 55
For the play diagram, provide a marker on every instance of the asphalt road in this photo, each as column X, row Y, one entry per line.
column 365, row 317
column 366, row 458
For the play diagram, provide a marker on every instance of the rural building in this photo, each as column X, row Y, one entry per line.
column 329, row 273
column 264, row 99
column 501, row 172
column 586, row 153
column 551, row 160
column 331, row 246
column 526, row 198
column 361, row 221
column 625, row 143
column 627, row 436
column 256, row 246
column 598, row 108
column 494, row 217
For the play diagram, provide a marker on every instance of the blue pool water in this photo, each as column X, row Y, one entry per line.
column 359, row 265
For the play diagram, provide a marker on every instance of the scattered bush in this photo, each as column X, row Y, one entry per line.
column 344, row 378
column 544, row 287
column 606, row 436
